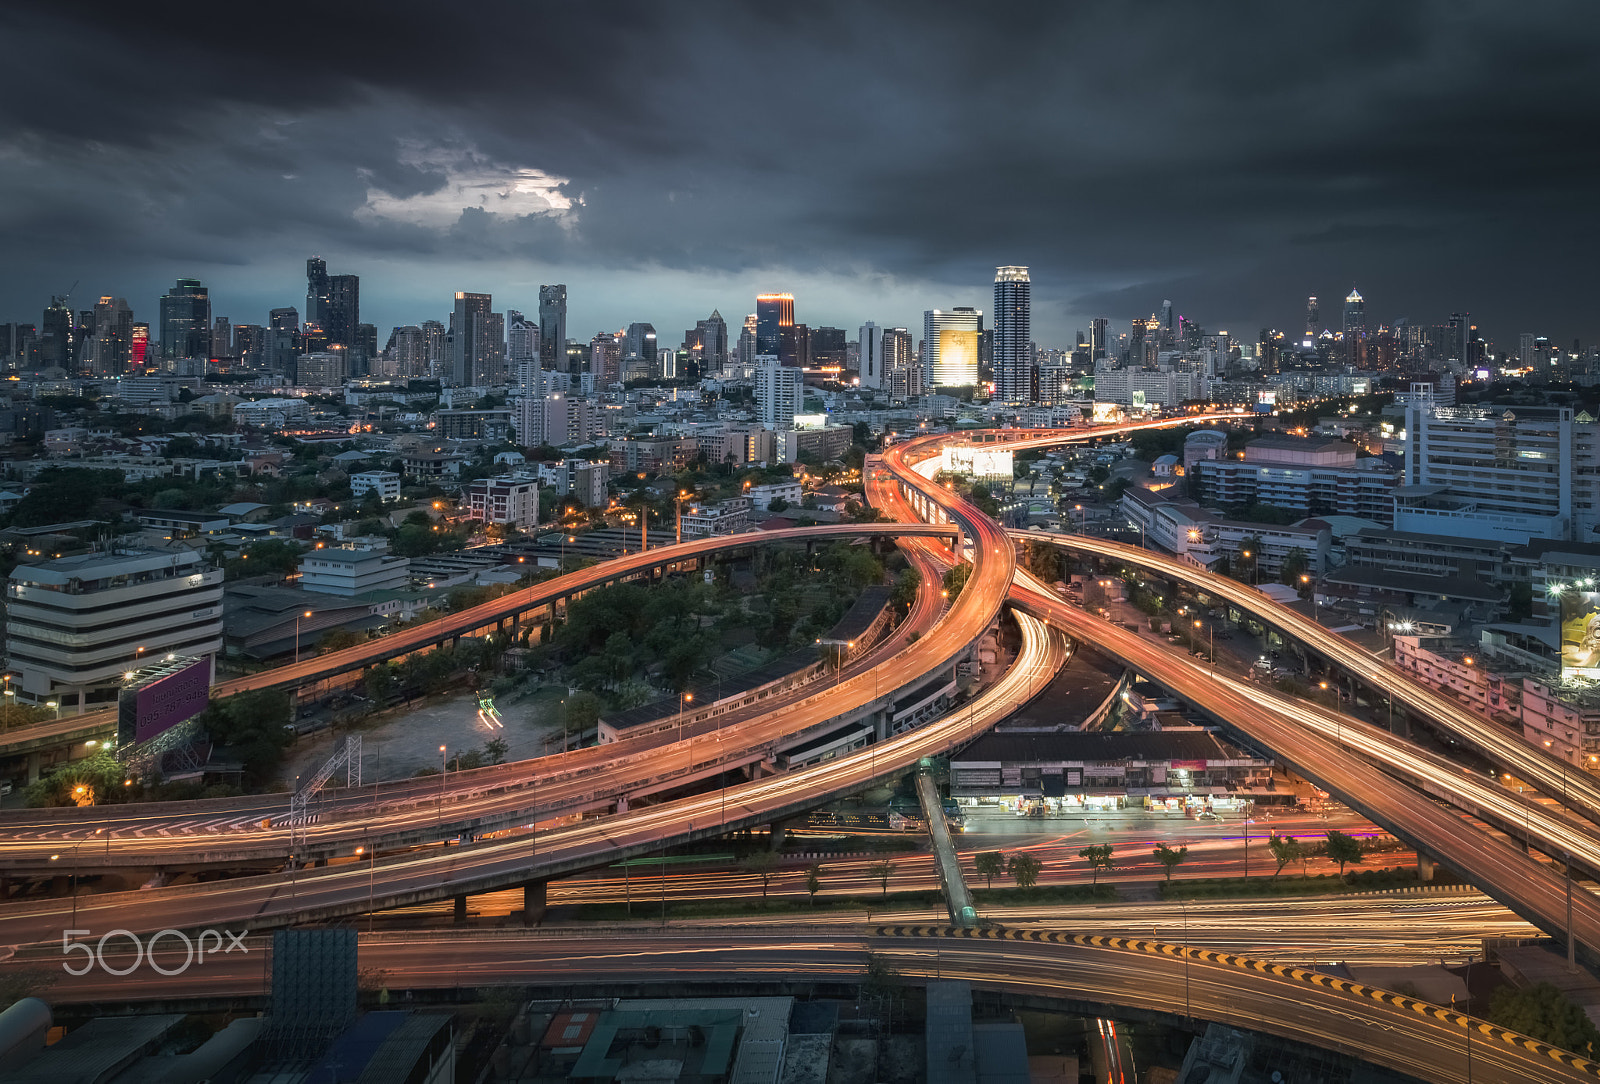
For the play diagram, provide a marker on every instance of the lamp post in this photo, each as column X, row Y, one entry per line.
column 444, row 766
column 1316, row 604
column 297, row 619
column 55, row 708
column 1213, row 631
column 684, row 700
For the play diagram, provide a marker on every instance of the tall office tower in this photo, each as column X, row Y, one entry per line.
column 522, row 339
column 1525, row 349
column 1166, row 321
column 316, row 290
column 113, row 336
column 639, row 348
column 1268, row 346
column 1013, row 335
column 950, row 346
column 902, row 372
column 794, row 346
column 406, row 354
column 1459, row 342
column 365, row 349
column 1355, row 326
column 470, row 339
column 780, row 391
column 435, row 348
column 827, row 348
column 185, row 321
column 139, row 347
column 553, row 327
column 221, row 337
column 869, row 355
column 284, row 319
column 341, row 315
column 55, row 336
column 1313, row 321
column 747, row 341
column 1136, row 339
column 605, row 359
column 713, row 333
column 774, row 312
column 250, row 346
column 1097, row 336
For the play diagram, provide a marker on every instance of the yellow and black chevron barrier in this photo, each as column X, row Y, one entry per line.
column 1245, row 963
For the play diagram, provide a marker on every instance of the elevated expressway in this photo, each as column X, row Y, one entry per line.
column 1034, row 968
column 184, row 835
column 1549, row 774
column 505, row 611
column 1527, row 887
column 533, row 859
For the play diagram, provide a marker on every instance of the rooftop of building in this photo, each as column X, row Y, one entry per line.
column 1301, row 444
column 1093, row 746
column 96, row 566
column 1463, row 587
column 349, row 556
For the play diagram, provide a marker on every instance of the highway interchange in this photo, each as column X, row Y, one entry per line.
column 1388, row 1034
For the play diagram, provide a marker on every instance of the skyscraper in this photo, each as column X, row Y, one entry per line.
column 1013, row 335
column 639, row 345
column 713, row 334
column 774, row 312
column 902, row 375
column 316, row 290
column 1313, row 321
column 869, row 355
column 477, row 338
column 1097, row 336
column 185, row 321
column 779, row 392
column 553, row 326
column 605, row 359
column 950, row 346
column 747, row 341
column 1355, row 326
column 341, row 312
column 113, row 336
column 221, row 337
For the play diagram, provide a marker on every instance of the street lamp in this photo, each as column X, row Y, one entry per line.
column 297, row 618
column 55, row 708
column 444, row 766
column 1213, row 631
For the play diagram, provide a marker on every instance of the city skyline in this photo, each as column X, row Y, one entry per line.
column 1372, row 161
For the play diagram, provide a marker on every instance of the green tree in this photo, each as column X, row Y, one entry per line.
column 814, row 881
column 881, row 872
column 339, row 639
column 1099, row 858
column 1170, row 858
column 1024, row 869
column 581, row 714
column 762, row 864
column 906, row 586
column 379, row 681
column 1285, row 849
column 254, row 726
column 1543, row 1012
column 1294, row 564
column 1343, row 849
column 955, row 580
column 495, row 750
column 989, row 864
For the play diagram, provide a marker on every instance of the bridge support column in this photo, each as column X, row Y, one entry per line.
column 535, row 899
column 1424, row 867
column 33, row 767
column 460, row 914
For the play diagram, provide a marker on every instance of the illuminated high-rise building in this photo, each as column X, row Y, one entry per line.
column 902, row 375
column 1355, row 325
column 1013, row 335
column 869, row 355
column 341, row 312
column 316, row 290
column 112, row 331
column 746, row 347
column 477, row 341
column 774, row 312
column 950, row 346
column 185, row 321
column 1313, row 321
column 553, row 327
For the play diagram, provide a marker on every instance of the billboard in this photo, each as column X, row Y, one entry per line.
column 162, row 699
column 1580, row 634
column 1266, row 401
column 977, row 461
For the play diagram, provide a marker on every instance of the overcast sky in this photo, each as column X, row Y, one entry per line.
column 875, row 159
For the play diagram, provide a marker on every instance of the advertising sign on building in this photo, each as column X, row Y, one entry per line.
column 1580, row 634
column 162, row 700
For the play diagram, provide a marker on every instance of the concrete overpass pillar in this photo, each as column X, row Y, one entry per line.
column 1424, row 867
column 535, row 900
column 33, row 767
column 460, row 913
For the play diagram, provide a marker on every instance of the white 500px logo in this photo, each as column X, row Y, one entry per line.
column 206, row 942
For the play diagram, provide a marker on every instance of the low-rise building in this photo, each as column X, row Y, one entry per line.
column 1203, row 538
column 726, row 517
column 762, row 496
column 75, row 625
column 509, row 500
column 351, row 572
column 386, row 484
column 1304, row 475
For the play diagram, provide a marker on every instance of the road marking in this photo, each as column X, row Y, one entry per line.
column 1246, row 963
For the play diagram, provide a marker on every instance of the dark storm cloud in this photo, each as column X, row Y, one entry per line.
column 880, row 158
